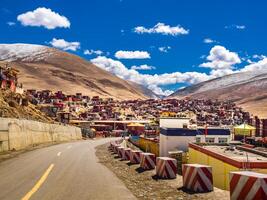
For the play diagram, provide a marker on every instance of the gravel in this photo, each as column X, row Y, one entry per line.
column 145, row 185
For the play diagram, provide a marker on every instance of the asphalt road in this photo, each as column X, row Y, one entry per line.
column 60, row 172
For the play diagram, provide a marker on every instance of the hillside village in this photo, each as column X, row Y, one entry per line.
column 133, row 100
column 195, row 126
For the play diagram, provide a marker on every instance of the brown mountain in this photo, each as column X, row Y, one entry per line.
column 42, row 67
column 247, row 89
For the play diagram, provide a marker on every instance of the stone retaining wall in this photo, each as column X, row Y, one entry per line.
column 16, row 134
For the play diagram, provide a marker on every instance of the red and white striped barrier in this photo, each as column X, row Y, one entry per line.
column 119, row 141
column 135, row 157
column 166, row 167
column 114, row 148
column 248, row 185
column 120, row 151
column 197, row 178
column 148, row 161
column 126, row 154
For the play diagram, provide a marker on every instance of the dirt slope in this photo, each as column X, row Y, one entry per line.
column 42, row 67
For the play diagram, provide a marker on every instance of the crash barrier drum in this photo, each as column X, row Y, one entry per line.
column 248, row 185
column 126, row 154
column 147, row 161
column 120, row 151
column 197, row 178
column 135, row 156
column 166, row 167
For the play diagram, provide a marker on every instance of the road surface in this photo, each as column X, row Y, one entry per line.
column 66, row 171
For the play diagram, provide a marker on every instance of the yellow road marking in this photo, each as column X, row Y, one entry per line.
column 59, row 153
column 39, row 183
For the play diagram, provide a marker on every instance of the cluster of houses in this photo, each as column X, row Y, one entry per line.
column 9, row 77
column 107, row 115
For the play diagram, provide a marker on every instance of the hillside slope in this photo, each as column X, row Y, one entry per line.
column 42, row 67
column 247, row 89
column 10, row 108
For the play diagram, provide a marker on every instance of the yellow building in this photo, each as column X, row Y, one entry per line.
column 224, row 160
column 148, row 145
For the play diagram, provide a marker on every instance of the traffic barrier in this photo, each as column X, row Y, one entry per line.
column 111, row 146
column 147, row 161
column 117, row 149
column 166, row 167
column 248, row 185
column 126, row 154
column 135, row 156
column 197, row 178
column 120, row 151
column 119, row 141
column 115, row 146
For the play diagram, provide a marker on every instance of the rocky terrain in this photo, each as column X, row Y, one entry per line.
column 17, row 106
column 145, row 185
column 42, row 67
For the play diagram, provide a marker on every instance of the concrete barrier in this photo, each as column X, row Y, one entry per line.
column 17, row 134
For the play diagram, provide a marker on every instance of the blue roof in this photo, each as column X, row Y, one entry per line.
column 192, row 132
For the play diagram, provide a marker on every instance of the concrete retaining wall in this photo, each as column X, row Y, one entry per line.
column 16, row 134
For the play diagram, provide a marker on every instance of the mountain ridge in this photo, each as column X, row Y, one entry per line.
column 247, row 89
column 43, row 67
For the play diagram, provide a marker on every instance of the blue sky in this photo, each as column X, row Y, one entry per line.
column 235, row 30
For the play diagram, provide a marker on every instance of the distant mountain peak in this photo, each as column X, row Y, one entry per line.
column 23, row 52
column 248, row 89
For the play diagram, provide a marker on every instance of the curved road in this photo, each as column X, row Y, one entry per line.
column 66, row 171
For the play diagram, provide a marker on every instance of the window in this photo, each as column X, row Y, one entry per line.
column 222, row 140
column 210, row 140
column 198, row 140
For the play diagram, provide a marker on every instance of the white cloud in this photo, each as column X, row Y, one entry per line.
column 240, row 26
column 43, row 17
column 258, row 66
column 148, row 80
column 164, row 49
column 91, row 52
column 161, row 28
column 132, row 54
column 143, row 67
column 221, row 62
column 221, row 58
column 209, row 41
column 255, row 56
column 11, row 23
column 235, row 26
column 63, row 44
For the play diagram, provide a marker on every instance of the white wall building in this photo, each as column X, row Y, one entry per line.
column 217, row 139
column 175, row 139
column 171, row 122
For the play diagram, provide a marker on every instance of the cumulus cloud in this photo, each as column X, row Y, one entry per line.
column 65, row 45
column 221, row 62
column 132, row 54
column 258, row 66
column 91, row 52
column 143, row 67
column 164, row 49
column 209, row 41
column 151, row 81
column 43, row 17
column 161, row 28
column 221, row 58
